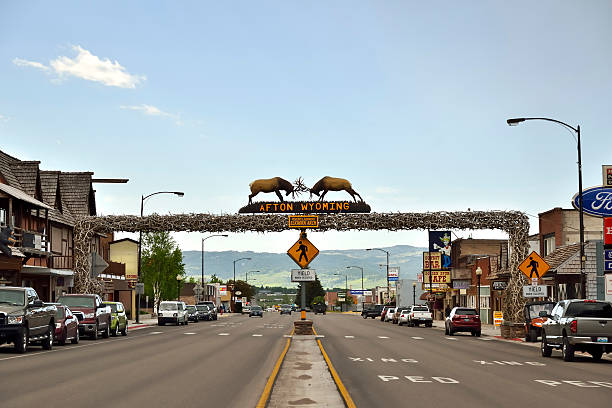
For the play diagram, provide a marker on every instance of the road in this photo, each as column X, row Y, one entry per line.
column 207, row 364
column 384, row 365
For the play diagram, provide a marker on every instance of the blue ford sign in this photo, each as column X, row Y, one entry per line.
column 596, row 201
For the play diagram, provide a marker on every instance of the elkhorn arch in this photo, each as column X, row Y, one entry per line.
column 515, row 223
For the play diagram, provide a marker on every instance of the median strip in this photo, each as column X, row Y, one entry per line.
column 263, row 400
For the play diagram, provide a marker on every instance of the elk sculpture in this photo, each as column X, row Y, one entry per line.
column 275, row 184
column 333, row 184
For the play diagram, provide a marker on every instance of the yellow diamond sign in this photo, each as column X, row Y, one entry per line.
column 534, row 266
column 303, row 251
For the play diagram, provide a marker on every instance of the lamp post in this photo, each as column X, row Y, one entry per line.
column 362, row 293
column 413, row 293
column 515, row 122
column 478, row 274
column 345, row 285
column 178, row 287
column 388, row 285
column 142, row 200
column 234, row 286
column 204, row 239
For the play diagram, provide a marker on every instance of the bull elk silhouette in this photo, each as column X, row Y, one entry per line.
column 333, row 184
column 275, row 184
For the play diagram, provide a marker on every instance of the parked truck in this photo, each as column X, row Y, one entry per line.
column 93, row 315
column 578, row 325
column 25, row 319
column 420, row 314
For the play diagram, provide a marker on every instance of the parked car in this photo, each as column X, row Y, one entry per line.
column 212, row 307
column 463, row 319
column 420, row 314
column 203, row 312
column 246, row 309
column 533, row 321
column 66, row 325
column 256, row 311
column 25, row 319
column 396, row 314
column 94, row 316
column 389, row 315
column 320, row 308
column 119, row 320
column 578, row 325
column 285, row 309
column 172, row 312
column 192, row 313
column 373, row 312
column 403, row 317
column 383, row 313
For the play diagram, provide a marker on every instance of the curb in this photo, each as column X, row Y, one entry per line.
column 265, row 395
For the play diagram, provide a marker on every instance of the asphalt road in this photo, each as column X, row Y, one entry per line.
column 207, row 364
column 384, row 365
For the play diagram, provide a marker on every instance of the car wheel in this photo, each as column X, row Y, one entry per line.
column 365, row 316
column 532, row 335
column 76, row 337
column 596, row 354
column 446, row 330
column 428, row 324
column 62, row 341
column 178, row 322
column 106, row 332
column 124, row 332
column 450, row 331
column 567, row 350
column 47, row 343
column 478, row 333
column 21, row 344
column 545, row 349
column 94, row 335
column 160, row 323
column 115, row 331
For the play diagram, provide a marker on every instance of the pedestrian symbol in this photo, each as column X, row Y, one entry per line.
column 534, row 267
column 303, row 252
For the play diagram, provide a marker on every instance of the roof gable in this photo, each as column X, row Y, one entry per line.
column 77, row 193
column 26, row 173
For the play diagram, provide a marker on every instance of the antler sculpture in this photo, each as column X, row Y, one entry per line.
column 299, row 187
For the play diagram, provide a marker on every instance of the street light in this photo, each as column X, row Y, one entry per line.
column 478, row 274
column 178, row 287
column 204, row 239
column 414, row 293
column 246, row 275
column 234, row 287
column 142, row 200
column 388, row 285
column 362, row 293
column 515, row 122
column 345, row 285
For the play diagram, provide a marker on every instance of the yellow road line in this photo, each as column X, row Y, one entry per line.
column 263, row 400
column 343, row 391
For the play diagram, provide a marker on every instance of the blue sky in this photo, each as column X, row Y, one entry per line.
column 408, row 100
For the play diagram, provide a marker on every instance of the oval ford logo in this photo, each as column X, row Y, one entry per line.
column 596, row 201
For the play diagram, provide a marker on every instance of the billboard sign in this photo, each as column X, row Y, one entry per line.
column 440, row 241
column 394, row 273
column 607, row 176
column 608, row 231
column 223, row 290
column 437, row 277
column 436, row 260
column 461, row 284
column 596, row 201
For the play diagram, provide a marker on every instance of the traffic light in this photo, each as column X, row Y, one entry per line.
column 6, row 236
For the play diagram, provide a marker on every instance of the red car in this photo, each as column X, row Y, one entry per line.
column 463, row 319
column 384, row 313
column 66, row 325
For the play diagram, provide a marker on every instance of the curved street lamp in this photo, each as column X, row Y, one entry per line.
column 234, row 286
column 345, row 285
column 362, row 293
column 142, row 200
column 515, row 122
column 388, row 285
column 204, row 239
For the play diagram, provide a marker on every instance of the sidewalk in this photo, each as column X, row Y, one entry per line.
column 147, row 320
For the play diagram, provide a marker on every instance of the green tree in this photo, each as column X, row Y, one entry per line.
column 215, row 279
column 244, row 288
column 317, row 300
column 313, row 289
column 162, row 262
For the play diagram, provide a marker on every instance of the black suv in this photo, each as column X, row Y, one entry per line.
column 25, row 319
column 212, row 307
column 372, row 312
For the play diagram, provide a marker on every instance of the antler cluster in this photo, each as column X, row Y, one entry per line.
column 300, row 187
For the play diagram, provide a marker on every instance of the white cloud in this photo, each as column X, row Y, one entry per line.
column 386, row 190
column 89, row 67
column 4, row 118
column 151, row 110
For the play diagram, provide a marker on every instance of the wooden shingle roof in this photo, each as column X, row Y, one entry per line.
column 77, row 193
column 49, row 181
column 6, row 170
column 561, row 255
column 27, row 174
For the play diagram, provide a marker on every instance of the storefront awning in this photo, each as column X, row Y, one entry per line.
column 20, row 195
column 39, row 270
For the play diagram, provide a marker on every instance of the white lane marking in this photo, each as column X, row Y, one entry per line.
column 382, row 337
column 257, row 335
column 349, row 337
column 417, row 338
column 485, row 339
column 223, row 334
column 450, row 338
column 156, row 333
column 189, row 333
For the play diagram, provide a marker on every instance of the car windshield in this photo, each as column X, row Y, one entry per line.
column 466, row 312
column 168, row 306
column 420, row 309
column 113, row 307
column 12, row 297
column 534, row 310
column 77, row 301
column 59, row 313
column 256, row 308
column 602, row 310
column 391, row 310
column 202, row 308
column 191, row 308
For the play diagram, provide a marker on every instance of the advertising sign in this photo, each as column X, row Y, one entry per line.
column 608, row 231
column 500, row 285
column 596, row 201
column 303, row 275
column 420, row 277
column 437, row 277
column 535, row 291
column 608, row 254
column 461, row 284
column 303, row 221
column 393, row 273
column 436, row 260
column 357, row 292
column 437, row 287
column 223, row 290
column 440, row 241
column 608, row 286
column 607, row 176
column 498, row 318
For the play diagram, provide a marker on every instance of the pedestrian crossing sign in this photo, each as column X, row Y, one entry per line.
column 303, row 251
column 534, row 266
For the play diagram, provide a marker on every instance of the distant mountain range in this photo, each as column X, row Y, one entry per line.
column 276, row 268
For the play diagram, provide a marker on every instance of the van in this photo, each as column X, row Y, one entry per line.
column 172, row 312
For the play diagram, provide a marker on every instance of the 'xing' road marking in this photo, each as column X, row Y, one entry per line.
column 349, row 337
column 383, row 337
column 384, row 360
column 189, row 333
column 257, row 335
column 510, row 363
column 417, row 338
column 584, row 384
column 223, row 334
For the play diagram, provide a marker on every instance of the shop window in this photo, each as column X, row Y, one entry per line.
column 549, row 244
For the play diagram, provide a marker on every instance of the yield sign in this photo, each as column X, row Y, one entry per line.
column 303, row 252
column 534, row 266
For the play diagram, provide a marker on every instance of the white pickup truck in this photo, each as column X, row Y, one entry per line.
column 420, row 314
column 578, row 325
